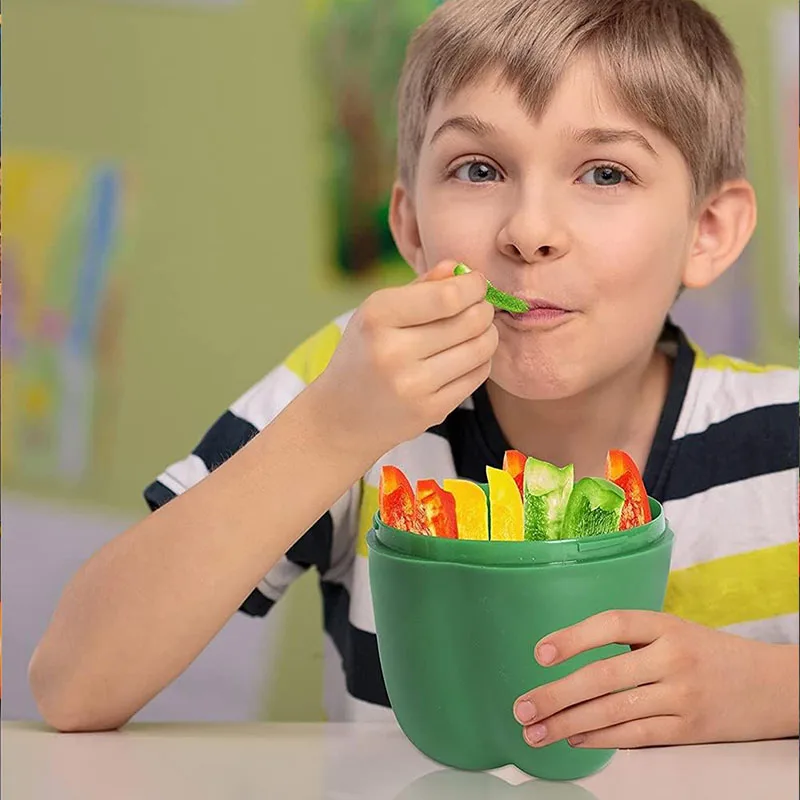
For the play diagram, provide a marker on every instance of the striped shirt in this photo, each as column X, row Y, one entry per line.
column 724, row 463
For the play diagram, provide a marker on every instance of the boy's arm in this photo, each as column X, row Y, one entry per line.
column 143, row 607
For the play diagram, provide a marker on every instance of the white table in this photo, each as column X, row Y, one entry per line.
column 353, row 762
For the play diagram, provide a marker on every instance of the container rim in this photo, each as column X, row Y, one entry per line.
column 465, row 551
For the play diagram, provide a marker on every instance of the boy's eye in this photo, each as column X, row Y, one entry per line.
column 605, row 175
column 477, row 172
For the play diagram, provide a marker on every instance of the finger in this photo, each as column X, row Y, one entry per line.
column 436, row 337
column 608, row 627
column 602, row 712
column 445, row 367
column 444, row 269
column 454, row 393
column 429, row 300
column 649, row 732
column 597, row 679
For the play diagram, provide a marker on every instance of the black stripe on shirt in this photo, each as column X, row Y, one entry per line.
column 468, row 443
column 256, row 604
column 358, row 649
column 747, row 445
column 313, row 548
column 157, row 495
column 228, row 435
column 659, row 461
column 223, row 439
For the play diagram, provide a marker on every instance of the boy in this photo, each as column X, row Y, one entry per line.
column 588, row 156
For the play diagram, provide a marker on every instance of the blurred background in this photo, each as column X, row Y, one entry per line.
column 176, row 174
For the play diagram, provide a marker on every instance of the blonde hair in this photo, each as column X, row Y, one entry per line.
column 668, row 62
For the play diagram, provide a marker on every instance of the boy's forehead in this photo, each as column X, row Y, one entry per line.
column 580, row 100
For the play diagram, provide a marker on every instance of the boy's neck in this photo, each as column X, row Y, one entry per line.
column 622, row 413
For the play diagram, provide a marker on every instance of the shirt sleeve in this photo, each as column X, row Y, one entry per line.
column 327, row 545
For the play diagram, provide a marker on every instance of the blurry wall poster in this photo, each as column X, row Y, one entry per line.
column 357, row 48
column 786, row 52
column 66, row 222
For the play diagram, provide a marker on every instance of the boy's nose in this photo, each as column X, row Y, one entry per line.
column 533, row 233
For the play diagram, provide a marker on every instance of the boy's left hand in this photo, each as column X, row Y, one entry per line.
column 680, row 683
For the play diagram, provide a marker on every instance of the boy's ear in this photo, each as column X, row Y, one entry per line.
column 724, row 226
column 404, row 228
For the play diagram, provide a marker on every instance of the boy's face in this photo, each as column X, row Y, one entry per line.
column 587, row 213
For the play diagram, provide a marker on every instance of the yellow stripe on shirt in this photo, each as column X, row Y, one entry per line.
column 723, row 362
column 369, row 507
column 310, row 359
column 735, row 589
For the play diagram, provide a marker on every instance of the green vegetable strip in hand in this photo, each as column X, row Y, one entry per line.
column 546, row 493
column 594, row 507
column 501, row 300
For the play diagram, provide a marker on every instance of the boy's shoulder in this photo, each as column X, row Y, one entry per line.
column 725, row 385
column 303, row 365
column 733, row 405
column 251, row 412
column 310, row 358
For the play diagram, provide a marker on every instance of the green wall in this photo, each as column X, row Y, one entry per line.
column 211, row 110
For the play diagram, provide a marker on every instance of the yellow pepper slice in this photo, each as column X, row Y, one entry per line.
column 506, row 506
column 472, row 513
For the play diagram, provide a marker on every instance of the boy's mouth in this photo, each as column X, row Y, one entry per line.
column 540, row 312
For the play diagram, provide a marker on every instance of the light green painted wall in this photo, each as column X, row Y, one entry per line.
column 749, row 24
column 212, row 112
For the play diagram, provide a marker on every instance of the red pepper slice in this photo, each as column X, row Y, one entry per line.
column 396, row 502
column 621, row 469
column 514, row 463
column 439, row 508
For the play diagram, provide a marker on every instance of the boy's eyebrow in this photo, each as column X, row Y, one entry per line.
column 612, row 136
column 468, row 123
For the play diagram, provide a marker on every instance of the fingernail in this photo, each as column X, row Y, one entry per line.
column 545, row 654
column 525, row 712
column 535, row 734
column 576, row 740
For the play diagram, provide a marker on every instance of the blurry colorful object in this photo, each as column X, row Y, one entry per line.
column 439, row 507
column 65, row 223
column 622, row 470
column 356, row 49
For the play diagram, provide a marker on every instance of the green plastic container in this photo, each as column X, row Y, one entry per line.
column 457, row 622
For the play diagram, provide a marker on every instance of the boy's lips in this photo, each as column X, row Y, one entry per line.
column 542, row 314
column 538, row 304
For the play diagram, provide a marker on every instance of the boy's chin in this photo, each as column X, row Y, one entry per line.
column 533, row 385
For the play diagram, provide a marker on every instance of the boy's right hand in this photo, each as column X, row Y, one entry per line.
column 408, row 357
